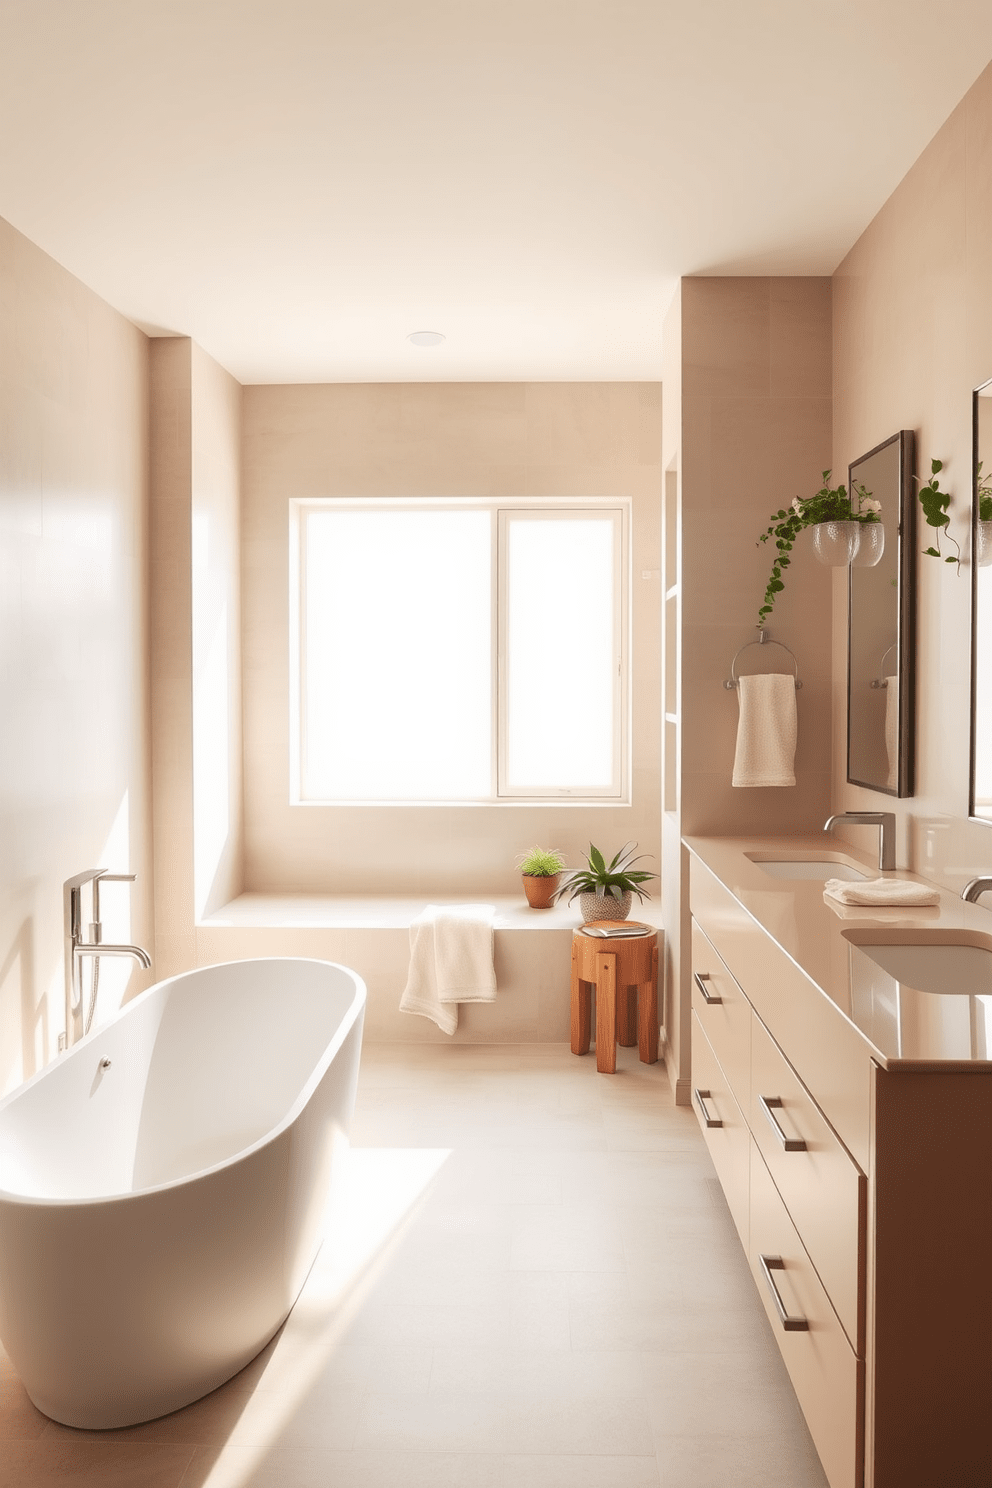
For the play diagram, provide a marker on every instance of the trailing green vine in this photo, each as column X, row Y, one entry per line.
column 935, row 502
column 984, row 494
column 830, row 504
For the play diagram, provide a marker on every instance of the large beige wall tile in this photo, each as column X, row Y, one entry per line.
column 508, row 439
column 74, row 765
column 912, row 338
column 196, row 642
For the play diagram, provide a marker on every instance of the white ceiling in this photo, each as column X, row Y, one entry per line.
column 298, row 184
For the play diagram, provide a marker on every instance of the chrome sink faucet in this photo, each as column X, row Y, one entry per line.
column 76, row 1021
column 887, row 836
column 972, row 892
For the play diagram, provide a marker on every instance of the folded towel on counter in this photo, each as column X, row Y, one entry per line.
column 451, row 961
column 766, row 730
column 880, row 891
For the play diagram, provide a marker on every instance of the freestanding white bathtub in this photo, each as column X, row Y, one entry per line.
column 162, row 1186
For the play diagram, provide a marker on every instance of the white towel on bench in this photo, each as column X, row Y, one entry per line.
column 451, row 961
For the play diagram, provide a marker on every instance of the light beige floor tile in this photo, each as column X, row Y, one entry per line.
column 301, row 1467
column 568, row 1290
column 531, row 1375
column 462, row 1423
column 319, row 1418
column 618, row 1428
column 786, row 1460
column 565, row 1238
column 92, row 1464
column 581, row 1472
column 718, row 1394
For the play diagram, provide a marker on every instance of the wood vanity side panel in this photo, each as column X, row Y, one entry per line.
column 829, row 1055
column 930, row 1280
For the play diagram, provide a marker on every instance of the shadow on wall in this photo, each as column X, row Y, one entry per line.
column 17, row 986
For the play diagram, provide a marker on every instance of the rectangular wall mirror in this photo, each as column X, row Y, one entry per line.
column 881, row 648
column 981, row 607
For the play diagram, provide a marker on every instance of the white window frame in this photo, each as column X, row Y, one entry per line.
column 569, row 633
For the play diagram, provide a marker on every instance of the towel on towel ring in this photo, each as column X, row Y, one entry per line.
column 766, row 730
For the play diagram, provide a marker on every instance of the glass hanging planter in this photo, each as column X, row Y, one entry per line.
column 983, row 543
column 836, row 544
column 871, row 546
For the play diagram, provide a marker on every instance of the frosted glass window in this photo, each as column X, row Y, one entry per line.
column 397, row 655
column 562, row 661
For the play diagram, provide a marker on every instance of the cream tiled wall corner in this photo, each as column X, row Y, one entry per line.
column 747, row 428
column 195, row 650
column 912, row 331
column 435, row 440
column 74, row 756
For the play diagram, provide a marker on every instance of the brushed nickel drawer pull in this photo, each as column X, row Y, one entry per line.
column 770, row 1104
column 790, row 1324
column 701, row 978
column 702, row 1096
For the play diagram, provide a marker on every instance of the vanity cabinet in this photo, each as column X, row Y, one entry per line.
column 862, row 1193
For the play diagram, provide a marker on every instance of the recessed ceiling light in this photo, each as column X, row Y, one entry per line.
column 425, row 338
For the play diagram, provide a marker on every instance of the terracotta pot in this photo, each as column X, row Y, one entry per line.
column 540, row 891
column 604, row 907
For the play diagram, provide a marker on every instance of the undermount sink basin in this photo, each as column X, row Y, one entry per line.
column 937, row 967
column 923, row 995
column 811, row 868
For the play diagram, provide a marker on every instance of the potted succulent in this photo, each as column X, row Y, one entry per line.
column 605, row 891
column 541, row 869
column 839, row 533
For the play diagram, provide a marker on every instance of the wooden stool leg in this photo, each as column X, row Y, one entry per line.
column 647, row 1015
column 627, row 1016
column 606, row 1014
column 581, row 1008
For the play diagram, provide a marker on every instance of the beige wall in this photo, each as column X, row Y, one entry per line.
column 437, row 440
column 74, row 772
column 912, row 337
column 196, row 642
column 747, row 428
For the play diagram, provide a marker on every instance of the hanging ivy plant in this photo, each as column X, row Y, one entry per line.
column 830, row 504
column 935, row 502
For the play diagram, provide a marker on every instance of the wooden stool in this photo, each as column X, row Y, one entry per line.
column 616, row 968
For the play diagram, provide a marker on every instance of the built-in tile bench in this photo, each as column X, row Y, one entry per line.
column 372, row 935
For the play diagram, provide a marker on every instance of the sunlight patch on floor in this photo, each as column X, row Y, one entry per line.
column 377, row 1192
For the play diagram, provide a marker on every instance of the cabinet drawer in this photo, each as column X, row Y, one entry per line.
column 825, row 1372
column 724, row 1013
column 823, row 1190
column 728, row 1141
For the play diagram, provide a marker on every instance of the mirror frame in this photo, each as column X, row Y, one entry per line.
column 905, row 537
column 982, row 821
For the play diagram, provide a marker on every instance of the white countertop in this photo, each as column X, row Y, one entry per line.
column 902, row 1024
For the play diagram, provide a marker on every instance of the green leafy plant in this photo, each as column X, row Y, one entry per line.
column 983, row 492
column 542, row 862
column 935, row 502
column 830, row 504
column 616, row 878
